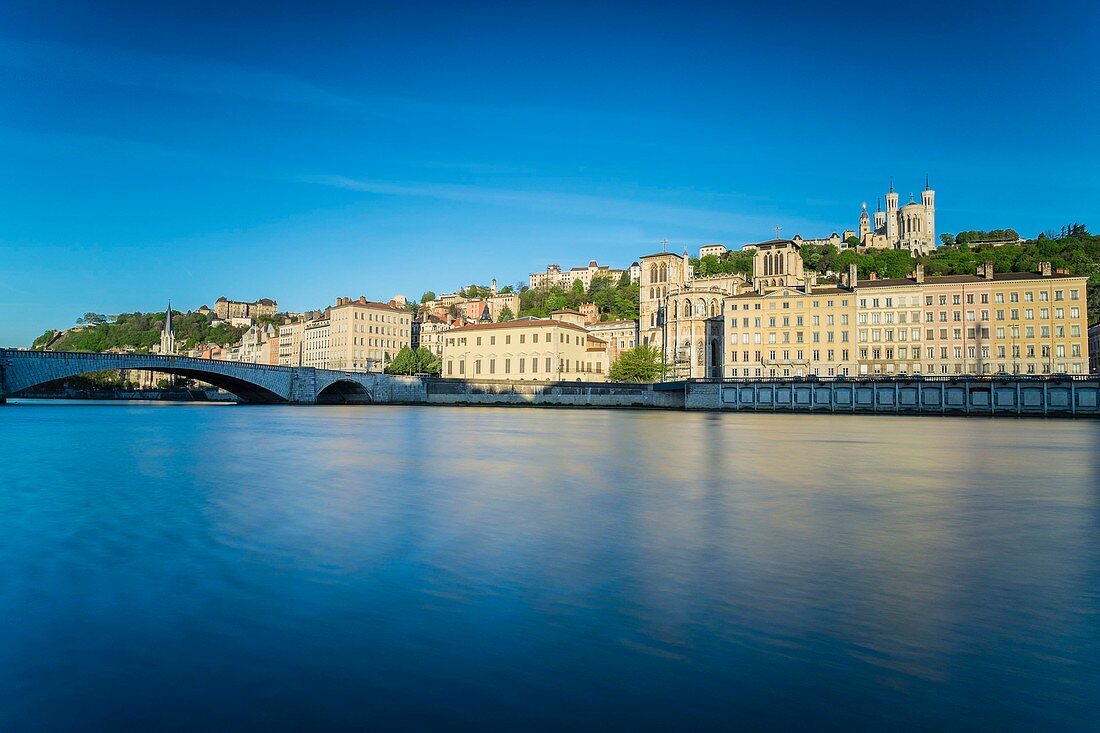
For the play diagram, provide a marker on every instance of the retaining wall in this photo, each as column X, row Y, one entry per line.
column 1062, row 397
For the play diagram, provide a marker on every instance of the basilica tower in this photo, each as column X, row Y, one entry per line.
column 928, row 198
column 892, row 214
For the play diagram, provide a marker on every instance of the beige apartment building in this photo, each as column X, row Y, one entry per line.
column 290, row 343
column 790, row 331
column 526, row 349
column 315, row 343
column 365, row 335
column 1039, row 324
column 620, row 336
column 429, row 333
column 890, row 325
column 987, row 323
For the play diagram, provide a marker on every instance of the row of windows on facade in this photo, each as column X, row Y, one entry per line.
column 563, row 338
column 888, row 317
column 355, row 341
column 911, row 334
column 367, row 328
column 913, row 368
column 903, row 352
column 521, row 365
column 369, row 316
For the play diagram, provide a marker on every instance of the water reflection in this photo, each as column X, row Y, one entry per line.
column 287, row 567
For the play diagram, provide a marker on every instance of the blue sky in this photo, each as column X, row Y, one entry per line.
column 190, row 150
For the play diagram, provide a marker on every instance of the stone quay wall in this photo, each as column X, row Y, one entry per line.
column 1064, row 397
column 558, row 394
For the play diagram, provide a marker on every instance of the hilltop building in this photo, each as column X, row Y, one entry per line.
column 911, row 227
column 554, row 275
column 236, row 311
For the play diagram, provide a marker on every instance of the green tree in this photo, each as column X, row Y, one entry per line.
column 403, row 363
column 643, row 363
column 506, row 314
column 428, row 295
column 420, row 361
column 947, row 239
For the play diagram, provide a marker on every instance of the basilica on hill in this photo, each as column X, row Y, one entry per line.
column 911, row 227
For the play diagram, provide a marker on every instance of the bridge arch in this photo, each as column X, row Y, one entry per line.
column 344, row 392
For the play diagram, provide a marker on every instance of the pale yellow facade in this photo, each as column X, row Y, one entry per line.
column 620, row 336
column 526, row 349
column 788, row 332
column 365, row 335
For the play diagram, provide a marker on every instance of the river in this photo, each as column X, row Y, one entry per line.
column 213, row 567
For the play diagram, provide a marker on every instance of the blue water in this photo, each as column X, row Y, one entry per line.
column 277, row 568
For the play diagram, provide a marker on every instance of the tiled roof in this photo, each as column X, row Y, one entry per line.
column 521, row 323
column 963, row 279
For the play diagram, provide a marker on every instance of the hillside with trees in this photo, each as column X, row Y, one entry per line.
column 615, row 299
column 140, row 332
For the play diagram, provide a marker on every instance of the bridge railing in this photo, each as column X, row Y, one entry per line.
column 166, row 359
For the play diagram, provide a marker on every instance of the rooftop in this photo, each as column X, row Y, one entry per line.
column 526, row 322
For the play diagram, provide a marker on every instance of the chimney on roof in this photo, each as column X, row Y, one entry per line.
column 363, row 299
column 988, row 270
column 1044, row 269
column 853, row 275
column 807, row 284
column 919, row 274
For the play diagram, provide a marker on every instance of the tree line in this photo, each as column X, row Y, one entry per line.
column 141, row 332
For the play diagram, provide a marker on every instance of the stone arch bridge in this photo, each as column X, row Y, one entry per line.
column 252, row 383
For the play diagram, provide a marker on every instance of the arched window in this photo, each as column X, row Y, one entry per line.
column 700, row 307
column 687, row 309
column 664, row 273
column 713, row 307
column 653, row 273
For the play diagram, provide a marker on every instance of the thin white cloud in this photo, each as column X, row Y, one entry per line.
column 746, row 226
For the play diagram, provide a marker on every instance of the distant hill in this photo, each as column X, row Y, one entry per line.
column 138, row 331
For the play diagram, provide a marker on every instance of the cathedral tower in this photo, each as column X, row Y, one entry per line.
column 880, row 217
column 864, row 223
column 928, row 198
column 892, row 215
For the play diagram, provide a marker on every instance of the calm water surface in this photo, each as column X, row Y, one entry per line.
column 275, row 568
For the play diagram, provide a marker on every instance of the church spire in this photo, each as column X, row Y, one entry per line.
column 167, row 336
column 926, row 186
column 891, row 184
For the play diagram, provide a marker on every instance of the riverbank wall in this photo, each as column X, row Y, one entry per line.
column 1008, row 397
column 1053, row 396
column 556, row 394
